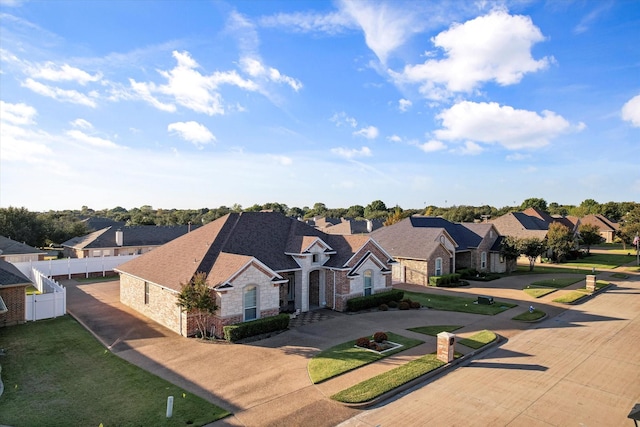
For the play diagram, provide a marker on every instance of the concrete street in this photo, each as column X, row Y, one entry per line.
column 581, row 366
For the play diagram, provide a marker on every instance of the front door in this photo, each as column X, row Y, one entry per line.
column 314, row 289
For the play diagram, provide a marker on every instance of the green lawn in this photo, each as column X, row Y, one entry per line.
column 528, row 316
column 557, row 283
column 380, row 384
column 435, row 329
column 570, row 297
column 345, row 357
column 479, row 339
column 547, row 269
column 601, row 261
column 461, row 304
column 56, row 373
column 538, row 292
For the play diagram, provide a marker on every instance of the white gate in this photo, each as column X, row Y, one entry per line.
column 52, row 302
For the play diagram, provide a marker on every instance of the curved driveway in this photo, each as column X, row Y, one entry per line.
column 580, row 366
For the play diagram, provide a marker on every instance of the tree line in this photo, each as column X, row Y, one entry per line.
column 40, row 229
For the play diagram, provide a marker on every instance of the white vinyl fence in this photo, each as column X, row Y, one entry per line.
column 53, row 300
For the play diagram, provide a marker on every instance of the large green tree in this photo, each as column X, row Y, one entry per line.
column 22, row 226
column 560, row 241
column 510, row 250
column 589, row 236
column 534, row 202
column 532, row 248
column 630, row 226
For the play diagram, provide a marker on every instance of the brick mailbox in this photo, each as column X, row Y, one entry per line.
column 446, row 346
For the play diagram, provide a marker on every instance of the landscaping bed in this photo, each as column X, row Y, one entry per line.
column 460, row 304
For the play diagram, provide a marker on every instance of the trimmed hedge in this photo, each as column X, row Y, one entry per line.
column 444, row 280
column 371, row 301
column 243, row 330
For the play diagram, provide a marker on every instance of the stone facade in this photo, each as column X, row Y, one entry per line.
column 14, row 298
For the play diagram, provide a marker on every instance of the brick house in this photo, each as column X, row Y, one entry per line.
column 13, row 287
column 13, row 251
column 258, row 264
column 606, row 227
column 115, row 240
column 431, row 246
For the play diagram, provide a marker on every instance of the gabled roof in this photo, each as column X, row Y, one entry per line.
column 95, row 223
column 404, row 240
column 10, row 275
column 601, row 221
column 226, row 244
column 345, row 225
column 464, row 234
column 521, row 225
column 134, row 236
column 11, row 247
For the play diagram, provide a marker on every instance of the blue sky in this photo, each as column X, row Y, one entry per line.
column 189, row 104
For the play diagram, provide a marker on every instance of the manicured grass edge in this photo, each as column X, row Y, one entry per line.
column 425, row 377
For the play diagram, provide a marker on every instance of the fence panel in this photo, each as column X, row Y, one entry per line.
column 72, row 266
column 45, row 306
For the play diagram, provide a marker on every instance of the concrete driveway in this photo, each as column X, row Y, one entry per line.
column 266, row 382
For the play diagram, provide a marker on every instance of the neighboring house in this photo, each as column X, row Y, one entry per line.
column 531, row 222
column 431, row 246
column 120, row 240
column 13, row 286
column 13, row 251
column 346, row 225
column 258, row 264
column 607, row 228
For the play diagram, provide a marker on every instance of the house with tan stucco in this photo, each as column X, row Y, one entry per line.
column 258, row 264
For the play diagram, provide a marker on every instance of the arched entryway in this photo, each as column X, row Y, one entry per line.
column 314, row 289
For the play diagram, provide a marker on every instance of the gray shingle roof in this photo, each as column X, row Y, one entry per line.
column 142, row 235
column 266, row 236
column 10, row 275
column 403, row 240
column 11, row 247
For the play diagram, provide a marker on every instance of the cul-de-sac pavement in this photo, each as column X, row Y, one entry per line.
column 579, row 366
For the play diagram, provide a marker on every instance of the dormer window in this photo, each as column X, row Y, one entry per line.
column 442, row 239
column 315, row 258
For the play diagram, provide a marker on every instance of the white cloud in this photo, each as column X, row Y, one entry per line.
column 591, row 17
column 52, row 72
column 256, row 69
column 94, row 141
column 369, row 132
column 282, row 160
column 516, row 157
column 330, row 23
column 491, row 123
column 188, row 87
column 350, row 153
column 81, row 124
column 385, row 26
column 394, row 138
column 495, row 47
column 342, row 119
column 469, row 148
column 17, row 114
column 193, row 132
column 62, row 95
column 404, row 105
column 631, row 111
column 432, row 146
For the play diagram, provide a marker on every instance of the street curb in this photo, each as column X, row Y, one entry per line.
column 428, row 376
column 589, row 296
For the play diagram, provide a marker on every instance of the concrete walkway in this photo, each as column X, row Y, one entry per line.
column 266, row 382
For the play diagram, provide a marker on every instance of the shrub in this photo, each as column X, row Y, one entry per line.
column 380, row 337
column 363, row 342
column 467, row 273
column 404, row 306
column 393, row 304
column 415, row 305
column 383, row 307
column 444, row 280
column 243, row 330
column 371, row 301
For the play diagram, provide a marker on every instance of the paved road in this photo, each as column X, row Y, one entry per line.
column 549, row 375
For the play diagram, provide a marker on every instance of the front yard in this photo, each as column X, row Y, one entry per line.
column 56, row 374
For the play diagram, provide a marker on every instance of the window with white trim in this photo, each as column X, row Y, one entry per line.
column 438, row 266
column 483, row 260
column 146, row 293
column 368, row 282
column 250, row 303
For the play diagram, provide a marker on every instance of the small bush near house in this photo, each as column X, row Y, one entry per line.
column 393, row 304
column 371, row 301
column 404, row 306
column 380, row 337
column 363, row 342
column 383, row 307
column 252, row 328
column 445, row 280
column 415, row 305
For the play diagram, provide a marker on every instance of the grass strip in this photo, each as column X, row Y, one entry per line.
column 383, row 383
column 570, row 297
column 479, row 339
column 530, row 316
column 601, row 261
column 546, row 269
column 538, row 292
column 435, row 329
column 346, row 357
column 57, row 374
column 459, row 304
column 557, row 283
column 620, row 276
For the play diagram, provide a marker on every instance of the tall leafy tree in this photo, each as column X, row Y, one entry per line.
column 631, row 226
column 396, row 216
column 197, row 299
column 376, row 209
column 534, row 202
column 532, row 248
column 22, row 226
column 589, row 235
column 560, row 241
column 510, row 250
